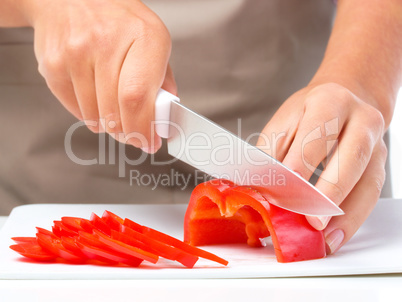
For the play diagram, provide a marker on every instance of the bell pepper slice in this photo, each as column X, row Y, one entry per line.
column 221, row 212
column 60, row 229
column 100, row 225
column 133, row 225
column 131, row 237
column 24, row 239
column 125, row 248
column 46, row 232
column 77, row 224
column 112, row 220
column 54, row 246
column 162, row 237
column 33, row 250
column 106, row 256
column 110, row 239
column 70, row 244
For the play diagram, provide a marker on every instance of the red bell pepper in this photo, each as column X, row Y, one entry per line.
column 221, row 212
column 109, row 240
column 33, row 251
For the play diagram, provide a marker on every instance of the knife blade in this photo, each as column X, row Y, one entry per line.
column 199, row 142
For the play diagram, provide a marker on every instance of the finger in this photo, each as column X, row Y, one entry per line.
column 141, row 76
column 84, row 86
column 107, row 81
column 58, row 80
column 64, row 92
column 317, row 134
column 277, row 136
column 348, row 163
column 359, row 203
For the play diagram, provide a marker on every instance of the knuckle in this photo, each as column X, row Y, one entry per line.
column 112, row 124
column 133, row 94
column 77, row 47
column 376, row 119
column 338, row 98
column 52, row 66
column 153, row 31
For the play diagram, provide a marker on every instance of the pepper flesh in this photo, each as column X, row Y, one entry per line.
column 221, row 212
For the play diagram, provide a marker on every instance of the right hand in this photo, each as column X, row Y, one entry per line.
column 105, row 61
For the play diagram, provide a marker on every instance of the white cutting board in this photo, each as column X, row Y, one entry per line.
column 376, row 248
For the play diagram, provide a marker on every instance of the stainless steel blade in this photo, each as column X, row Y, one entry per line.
column 210, row 148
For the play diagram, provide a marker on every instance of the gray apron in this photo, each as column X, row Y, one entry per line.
column 235, row 61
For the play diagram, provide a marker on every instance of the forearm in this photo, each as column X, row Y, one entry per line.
column 12, row 13
column 364, row 53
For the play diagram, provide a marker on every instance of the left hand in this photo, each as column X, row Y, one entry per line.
column 329, row 125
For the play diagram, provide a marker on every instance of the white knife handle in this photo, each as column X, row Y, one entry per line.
column 162, row 112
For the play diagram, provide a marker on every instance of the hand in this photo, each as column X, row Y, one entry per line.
column 329, row 125
column 105, row 61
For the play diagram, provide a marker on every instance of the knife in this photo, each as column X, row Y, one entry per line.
column 206, row 146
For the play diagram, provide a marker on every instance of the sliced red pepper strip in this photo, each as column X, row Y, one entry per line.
column 100, row 225
column 157, row 247
column 54, row 246
column 93, row 241
column 46, row 232
column 131, row 240
column 214, row 207
column 87, row 225
column 70, row 244
column 169, row 240
column 133, row 225
column 24, row 239
column 162, row 237
column 59, row 229
column 33, row 251
column 112, row 220
column 73, row 223
column 79, row 240
column 97, row 253
column 125, row 248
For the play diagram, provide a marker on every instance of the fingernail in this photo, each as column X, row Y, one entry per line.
column 318, row 222
column 334, row 240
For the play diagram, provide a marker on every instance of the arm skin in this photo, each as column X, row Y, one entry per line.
column 340, row 118
column 364, row 53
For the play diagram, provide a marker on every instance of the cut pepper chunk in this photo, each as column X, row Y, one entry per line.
column 221, row 212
